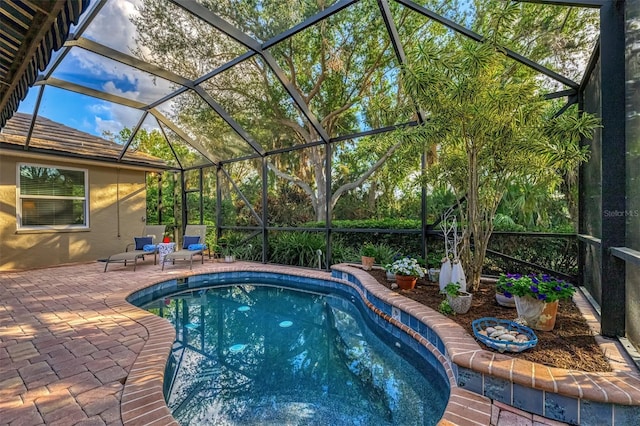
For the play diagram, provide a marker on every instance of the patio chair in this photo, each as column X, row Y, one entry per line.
column 143, row 245
column 156, row 232
column 193, row 243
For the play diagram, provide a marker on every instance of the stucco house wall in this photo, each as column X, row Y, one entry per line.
column 115, row 194
column 116, row 214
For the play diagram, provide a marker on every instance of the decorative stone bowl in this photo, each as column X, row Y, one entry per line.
column 524, row 337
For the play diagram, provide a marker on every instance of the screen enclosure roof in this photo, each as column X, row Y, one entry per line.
column 222, row 81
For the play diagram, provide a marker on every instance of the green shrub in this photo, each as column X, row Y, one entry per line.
column 368, row 250
column 445, row 309
column 385, row 253
column 296, row 248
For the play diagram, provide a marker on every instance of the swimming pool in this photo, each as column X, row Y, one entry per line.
column 260, row 353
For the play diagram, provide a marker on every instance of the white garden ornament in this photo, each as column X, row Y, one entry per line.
column 445, row 272
column 457, row 273
column 451, row 270
column 445, row 268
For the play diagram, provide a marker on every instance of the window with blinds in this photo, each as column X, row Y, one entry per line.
column 51, row 197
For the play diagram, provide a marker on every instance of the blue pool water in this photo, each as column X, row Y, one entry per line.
column 265, row 355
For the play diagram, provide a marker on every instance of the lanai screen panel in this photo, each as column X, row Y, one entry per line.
column 385, row 170
column 554, row 36
column 165, row 35
column 241, row 190
column 209, row 190
column 151, row 140
column 186, row 155
column 203, row 128
column 297, row 186
column 633, row 172
column 591, row 183
column 346, row 69
column 96, row 72
column 253, row 96
column 110, row 118
column 193, row 195
column 591, row 193
column 265, row 19
column 414, row 27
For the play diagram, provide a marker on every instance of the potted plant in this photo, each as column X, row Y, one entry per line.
column 388, row 262
column 434, row 274
column 368, row 253
column 407, row 271
column 459, row 300
column 536, row 297
column 504, row 297
column 229, row 256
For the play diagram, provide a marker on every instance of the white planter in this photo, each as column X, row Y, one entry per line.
column 507, row 302
column 461, row 303
column 391, row 276
column 538, row 314
column 229, row 259
column 529, row 309
column 434, row 275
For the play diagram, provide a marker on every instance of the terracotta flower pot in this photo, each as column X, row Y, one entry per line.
column 538, row 314
column 406, row 282
column 367, row 262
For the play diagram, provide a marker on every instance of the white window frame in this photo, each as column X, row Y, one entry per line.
column 20, row 197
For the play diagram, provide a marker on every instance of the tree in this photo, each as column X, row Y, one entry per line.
column 342, row 68
column 489, row 124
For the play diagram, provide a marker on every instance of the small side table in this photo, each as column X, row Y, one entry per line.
column 164, row 249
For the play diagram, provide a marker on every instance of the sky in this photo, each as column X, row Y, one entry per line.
column 112, row 27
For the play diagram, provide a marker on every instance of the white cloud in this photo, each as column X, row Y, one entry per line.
column 113, row 28
column 113, row 117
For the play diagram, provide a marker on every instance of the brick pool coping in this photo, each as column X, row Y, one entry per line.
column 73, row 351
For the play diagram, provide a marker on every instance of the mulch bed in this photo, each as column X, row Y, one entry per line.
column 569, row 345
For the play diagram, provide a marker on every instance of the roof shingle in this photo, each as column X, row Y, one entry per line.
column 58, row 139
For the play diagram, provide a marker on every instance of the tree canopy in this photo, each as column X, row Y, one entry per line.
column 347, row 74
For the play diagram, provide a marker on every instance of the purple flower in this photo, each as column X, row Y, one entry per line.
column 507, row 294
column 542, row 296
column 535, row 280
column 534, row 289
column 557, row 288
column 509, row 284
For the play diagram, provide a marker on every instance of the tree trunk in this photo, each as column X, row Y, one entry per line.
column 317, row 160
column 473, row 221
column 371, row 198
